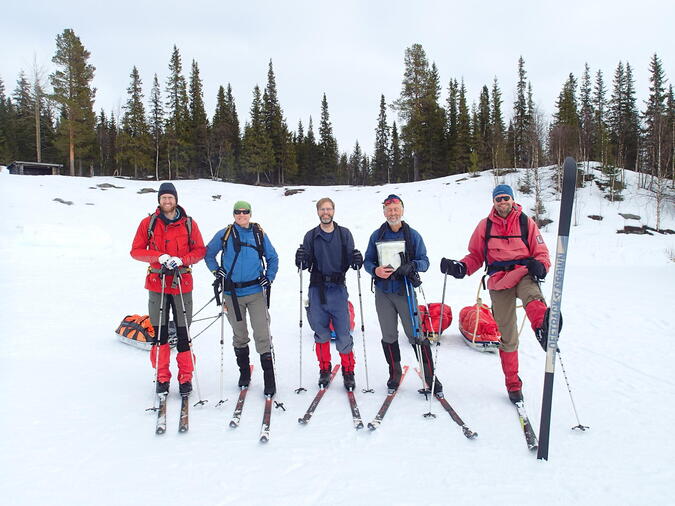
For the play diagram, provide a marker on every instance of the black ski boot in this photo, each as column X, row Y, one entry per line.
column 185, row 388
column 268, row 374
column 244, row 366
column 324, row 377
column 392, row 353
column 516, row 396
column 162, row 387
column 428, row 366
column 350, row 382
column 542, row 332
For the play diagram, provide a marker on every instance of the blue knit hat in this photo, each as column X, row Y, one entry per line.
column 502, row 189
column 165, row 188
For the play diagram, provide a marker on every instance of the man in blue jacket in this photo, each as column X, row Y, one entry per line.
column 396, row 252
column 328, row 252
column 245, row 282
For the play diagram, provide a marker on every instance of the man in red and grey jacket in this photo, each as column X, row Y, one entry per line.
column 511, row 246
column 170, row 241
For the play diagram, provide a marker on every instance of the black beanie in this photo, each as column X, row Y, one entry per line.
column 165, row 188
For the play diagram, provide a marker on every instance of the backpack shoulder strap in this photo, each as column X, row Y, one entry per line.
column 525, row 229
column 151, row 225
column 226, row 236
column 407, row 237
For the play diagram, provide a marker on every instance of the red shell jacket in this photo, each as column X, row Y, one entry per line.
column 505, row 249
column 172, row 239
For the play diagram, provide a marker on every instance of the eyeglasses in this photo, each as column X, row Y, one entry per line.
column 504, row 198
column 242, row 211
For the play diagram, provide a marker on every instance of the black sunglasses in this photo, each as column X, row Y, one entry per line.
column 504, row 198
column 242, row 211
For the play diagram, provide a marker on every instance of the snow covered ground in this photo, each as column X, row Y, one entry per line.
column 72, row 419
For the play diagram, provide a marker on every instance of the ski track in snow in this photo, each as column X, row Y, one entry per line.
column 73, row 419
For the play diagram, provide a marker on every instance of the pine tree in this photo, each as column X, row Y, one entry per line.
column 520, row 119
column 381, row 157
column 277, row 130
column 5, row 153
column 355, row 165
column 497, row 129
column 200, row 149
column 463, row 131
column 134, row 137
column 156, row 122
column 656, row 119
column 257, row 152
column 72, row 90
column 600, row 132
column 312, row 156
column 397, row 174
column 586, row 114
column 225, row 135
column 564, row 135
column 23, row 125
column 452, row 126
column 482, row 131
column 328, row 149
column 178, row 117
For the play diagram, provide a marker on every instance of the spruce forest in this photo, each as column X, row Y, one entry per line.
column 431, row 129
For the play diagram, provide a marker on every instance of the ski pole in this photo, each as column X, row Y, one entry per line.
column 300, row 388
column 159, row 335
column 187, row 328
column 440, row 331
column 363, row 335
column 418, row 348
column 274, row 359
column 578, row 426
column 222, row 346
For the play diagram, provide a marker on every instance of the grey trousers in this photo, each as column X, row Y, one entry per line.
column 256, row 306
column 390, row 307
column 173, row 303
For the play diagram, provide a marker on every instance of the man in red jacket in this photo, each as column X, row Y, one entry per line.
column 517, row 259
column 170, row 241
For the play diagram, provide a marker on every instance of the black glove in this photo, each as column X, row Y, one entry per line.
column 453, row 267
column 357, row 260
column 220, row 273
column 406, row 269
column 264, row 281
column 536, row 268
column 301, row 258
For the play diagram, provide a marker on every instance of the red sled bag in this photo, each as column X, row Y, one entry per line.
column 479, row 328
column 352, row 321
column 432, row 318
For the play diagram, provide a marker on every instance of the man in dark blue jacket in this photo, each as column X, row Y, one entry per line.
column 396, row 252
column 328, row 251
column 245, row 281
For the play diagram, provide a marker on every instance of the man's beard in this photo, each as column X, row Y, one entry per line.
column 393, row 221
column 326, row 220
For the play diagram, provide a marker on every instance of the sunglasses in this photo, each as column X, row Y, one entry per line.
column 504, row 198
column 391, row 201
column 242, row 211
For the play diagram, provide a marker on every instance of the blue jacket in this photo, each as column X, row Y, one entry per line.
column 418, row 256
column 248, row 266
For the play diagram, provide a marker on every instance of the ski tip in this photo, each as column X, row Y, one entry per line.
column 182, row 430
column 159, row 431
column 302, row 421
column 234, row 425
column 264, row 439
column 358, row 426
column 371, row 426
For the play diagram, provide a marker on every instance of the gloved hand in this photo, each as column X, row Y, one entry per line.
column 406, row 269
column 220, row 273
column 163, row 259
column 357, row 260
column 174, row 263
column 264, row 281
column 301, row 258
column 453, row 267
column 536, row 268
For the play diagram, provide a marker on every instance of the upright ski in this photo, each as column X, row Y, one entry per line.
column 317, row 398
column 387, row 402
column 184, row 422
column 530, row 436
column 356, row 415
column 566, row 204
column 267, row 415
column 238, row 408
column 160, row 428
column 453, row 414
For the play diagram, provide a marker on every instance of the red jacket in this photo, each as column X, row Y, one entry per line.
column 173, row 240
column 505, row 249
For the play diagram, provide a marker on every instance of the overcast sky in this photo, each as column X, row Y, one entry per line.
column 353, row 51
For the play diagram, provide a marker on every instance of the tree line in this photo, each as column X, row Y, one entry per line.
column 169, row 135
